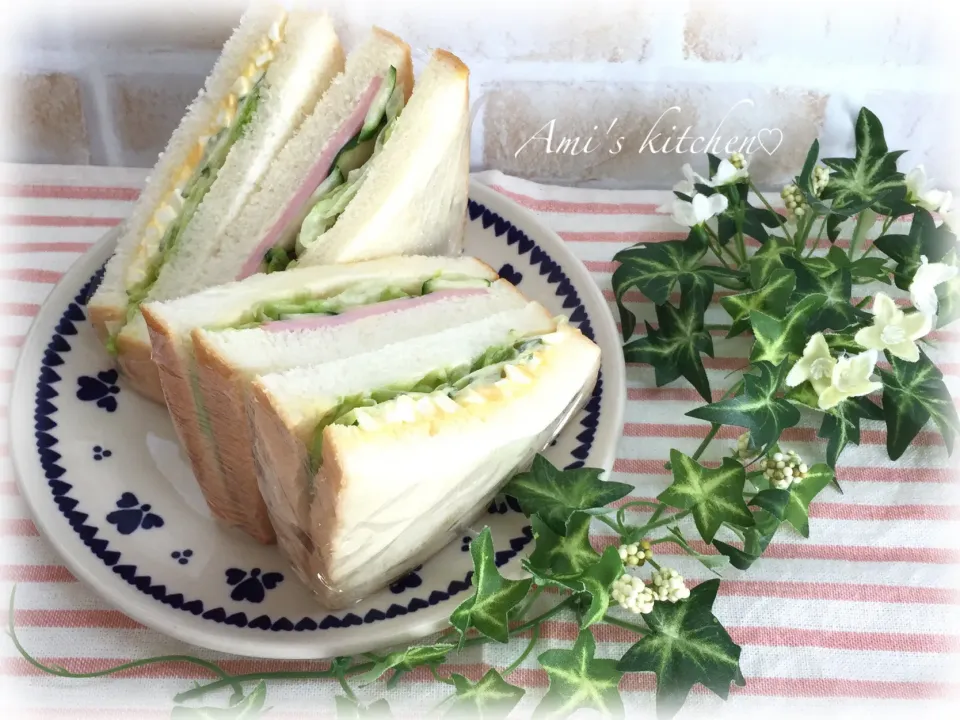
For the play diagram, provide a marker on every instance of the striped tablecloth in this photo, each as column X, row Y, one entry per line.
column 859, row 620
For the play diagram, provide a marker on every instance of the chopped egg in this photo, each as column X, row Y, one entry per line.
column 365, row 421
column 513, row 373
column 552, row 338
column 444, row 402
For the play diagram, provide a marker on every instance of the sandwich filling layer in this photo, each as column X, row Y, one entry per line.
column 197, row 175
column 334, row 179
column 444, row 391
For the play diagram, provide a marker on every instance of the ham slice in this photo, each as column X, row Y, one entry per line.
column 294, row 209
column 318, row 321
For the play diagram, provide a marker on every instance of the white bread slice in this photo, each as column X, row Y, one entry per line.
column 385, row 500
column 306, row 61
column 414, row 199
column 371, row 60
column 206, row 402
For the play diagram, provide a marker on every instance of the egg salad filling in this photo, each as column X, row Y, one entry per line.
column 359, row 295
column 489, row 377
column 196, row 176
column 348, row 171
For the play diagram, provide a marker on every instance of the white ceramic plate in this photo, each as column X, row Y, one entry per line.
column 112, row 491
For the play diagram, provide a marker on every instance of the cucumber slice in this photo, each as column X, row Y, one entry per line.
column 452, row 283
column 378, row 107
column 353, row 156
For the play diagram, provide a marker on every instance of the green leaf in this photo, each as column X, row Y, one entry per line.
column 841, row 425
column 713, row 563
column 836, row 312
column 655, row 268
column 674, row 348
column 686, row 645
column 925, row 239
column 558, row 555
column 491, row 698
column 348, row 709
column 579, row 680
column 913, row 393
column 487, row 609
column 714, row 496
column 741, row 216
column 594, row 581
column 796, row 509
column 757, row 409
column 245, row 708
column 554, row 495
column 856, row 184
column 833, row 226
column 766, row 260
column 771, row 298
column 778, row 340
column 404, row 660
column 773, row 501
column 755, row 540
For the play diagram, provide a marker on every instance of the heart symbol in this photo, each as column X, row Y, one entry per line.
column 770, row 131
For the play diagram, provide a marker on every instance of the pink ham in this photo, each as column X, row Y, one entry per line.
column 320, row 321
column 318, row 173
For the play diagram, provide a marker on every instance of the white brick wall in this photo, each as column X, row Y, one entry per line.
column 805, row 66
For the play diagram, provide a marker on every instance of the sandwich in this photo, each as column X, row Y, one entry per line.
column 209, row 346
column 270, row 74
column 381, row 458
column 376, row 169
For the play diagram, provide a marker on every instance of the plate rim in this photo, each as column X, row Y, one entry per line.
column 166, row 621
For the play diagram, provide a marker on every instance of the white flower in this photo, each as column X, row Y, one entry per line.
column 635, row 554
column 894, row 330
column 816, row 365
column 699, row 210
column 686, row 186
column 632, row 595
column 728, row 173
column 850, row 378
column 951, row 220
column 920, row 193
column 668, row 586
column 923, row 292
column 821, row 176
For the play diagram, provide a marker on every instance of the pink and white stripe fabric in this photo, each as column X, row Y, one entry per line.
column 861, row 620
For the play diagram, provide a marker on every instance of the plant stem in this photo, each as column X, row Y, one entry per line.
column 714, row 429
column 716, row 326
column 860, row 230
column 608, row 618
column 616, row 526
column 783, row 224
column 345, row 685
column 437, row 676
column 713, row 242
column 864, row 302
column 528, row 603
column 660, row 523
column 535, row 635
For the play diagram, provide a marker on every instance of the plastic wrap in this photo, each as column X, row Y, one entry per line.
column 402, row 527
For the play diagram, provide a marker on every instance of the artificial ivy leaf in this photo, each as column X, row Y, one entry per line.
column 778, row 340
column 755, row 540
column 246, row 708
column 833, row 226
column 714, row 496
column 674, row 347
column 562, row 556
column 655, row 269
column 912, row 394
column 836, row 313
column 925, row 239
column 579, row 680
column 799, row 496
column 713, row 563
column 771, row 298
column 772, row 500
column 757, row 408
column 595, row 581
column 490, row 698
column 686, row 645
column 348, row 709
column 405, row 660
column 487, row 609
column 554, row 494
column 862, row 269
column 948, row 296
column 766, row 260
column 841, row 425
column 856, row 184
column 741, row 216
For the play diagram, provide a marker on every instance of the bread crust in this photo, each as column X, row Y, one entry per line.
column 103, row 317
column 236, row 497
column 405, row 70
column 138, row 369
